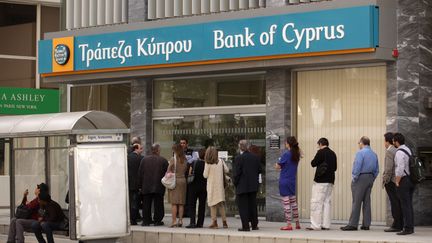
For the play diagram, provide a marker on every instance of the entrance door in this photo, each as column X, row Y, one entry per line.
column 222, row 131
column 341, row 105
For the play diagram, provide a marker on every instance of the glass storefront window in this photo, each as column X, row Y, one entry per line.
column 222, row 131
column 114, row 98
column 17, row 29
column 209, row 91
column 17, row 73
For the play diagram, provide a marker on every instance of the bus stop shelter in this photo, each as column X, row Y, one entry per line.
column 82, row 154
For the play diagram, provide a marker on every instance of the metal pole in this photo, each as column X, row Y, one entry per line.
column 12, row 178
column 47, row 164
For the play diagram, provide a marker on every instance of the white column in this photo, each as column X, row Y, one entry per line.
column 69, row 14
column 253, row 3
column 151, row 9
column 93, row 13
column 187, row 7
column 178, row 7
column 101, row 12
column 205, row 6
column 196, row 6
column 117, row 12
column 304, row 1
column 262, row 3
column 244, row 4
column 160, row 9
column 85, row 7
column 224, row 5
column 77, row 14
column 214, row 6
column 169, row 8
column 109, row 11
column 124, row 17
column 234, row 4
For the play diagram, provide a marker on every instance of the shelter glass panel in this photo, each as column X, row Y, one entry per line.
column 29, row 171
column 59, row 175
column 32, row 142
column 210, row 91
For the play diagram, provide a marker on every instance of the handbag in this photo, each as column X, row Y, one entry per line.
column 226, row 179
column 169, row 180
column 191, row 177
column 23, row 212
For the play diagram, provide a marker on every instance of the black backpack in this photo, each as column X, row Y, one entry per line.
column 416, row 168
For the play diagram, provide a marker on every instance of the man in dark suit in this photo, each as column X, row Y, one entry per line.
column 197, row 190
column 134, row 160
column 246, row 173
column 150, row 173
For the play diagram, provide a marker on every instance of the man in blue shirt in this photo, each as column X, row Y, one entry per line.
column 364, row 172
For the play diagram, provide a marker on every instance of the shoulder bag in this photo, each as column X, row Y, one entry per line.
column 23, row 212
column 169, row 180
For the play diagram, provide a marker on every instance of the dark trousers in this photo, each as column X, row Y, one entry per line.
column 159, row 212
column 405, row 193
column 134, row 202
column 361, row 200
column 247, row 205
column 395, row 205
column 47, row 228
column 194, row 195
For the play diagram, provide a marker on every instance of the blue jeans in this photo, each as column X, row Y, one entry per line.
column 47, row 228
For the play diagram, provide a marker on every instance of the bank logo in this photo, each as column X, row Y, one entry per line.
column 61, row 54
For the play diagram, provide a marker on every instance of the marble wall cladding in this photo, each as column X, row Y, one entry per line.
column 278, row 121
column 392, row 97
column 141, row 111
column 137, row 11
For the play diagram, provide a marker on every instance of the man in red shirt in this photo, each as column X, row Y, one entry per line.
column 18, row 226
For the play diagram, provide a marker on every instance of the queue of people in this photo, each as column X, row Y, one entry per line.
column 209, row 179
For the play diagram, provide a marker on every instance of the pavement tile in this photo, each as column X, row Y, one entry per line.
column 151, row 237
column 236, row 239
column 266, row 240
column 192, row 238
column 138, row 236
column 207, row 238
column 177, row 238
column 220, row 238
column 165, row 238
column 250, row 239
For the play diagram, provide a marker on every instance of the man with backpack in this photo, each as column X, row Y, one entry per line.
column 404, row 186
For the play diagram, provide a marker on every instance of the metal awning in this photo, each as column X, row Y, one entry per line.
column 56, row 124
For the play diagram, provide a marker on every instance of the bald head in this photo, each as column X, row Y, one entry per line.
column 243, row 145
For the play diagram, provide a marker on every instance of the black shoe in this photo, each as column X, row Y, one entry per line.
column 255, row 228
column 145, row 224
column 309, row 228
column 199, row 226
column 364, row 228
column 242, row 229
column 322, row 228
column 159, row 223
column 391, row 229
column 405, row 232
column 348, row 228
column 191, row 226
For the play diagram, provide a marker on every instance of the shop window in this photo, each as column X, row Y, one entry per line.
column 17, row 73
column 114, row 98
column 17, row 29
column 209, row 91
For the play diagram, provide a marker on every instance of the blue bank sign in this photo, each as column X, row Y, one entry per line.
column 325, row 32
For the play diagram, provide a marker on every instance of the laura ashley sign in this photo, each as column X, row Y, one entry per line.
column 20, row 101
column 311, row 32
